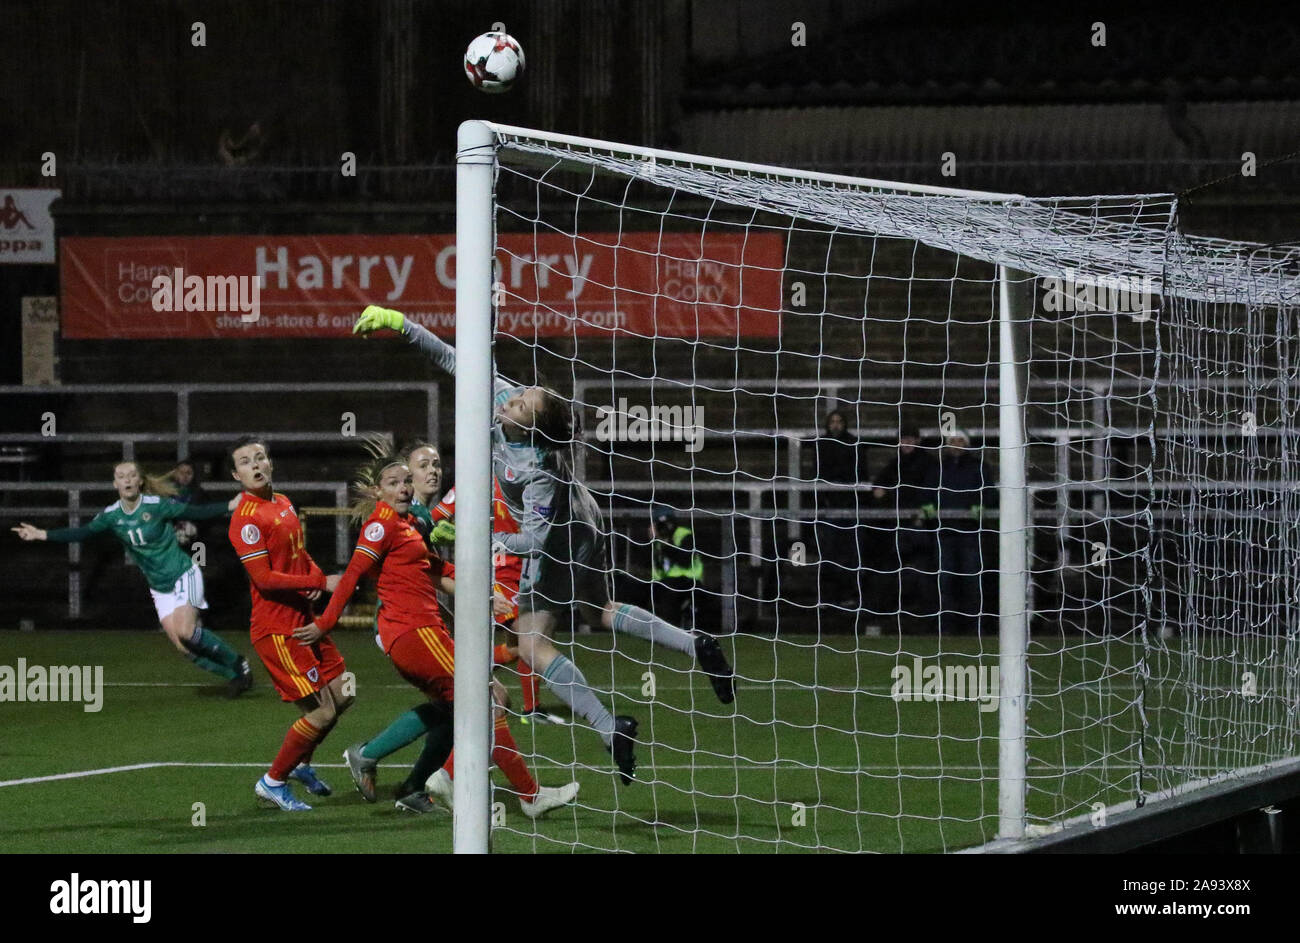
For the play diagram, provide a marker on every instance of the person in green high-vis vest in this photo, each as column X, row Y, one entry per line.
column 142, row 521
column 677, row 570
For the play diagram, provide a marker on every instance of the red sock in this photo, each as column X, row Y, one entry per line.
column 501, row 655
column 299, row 742
column 505, row 754
column 450, row 765
column 531, row 684
column 320, row 737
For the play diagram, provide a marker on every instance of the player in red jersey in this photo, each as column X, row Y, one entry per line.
column 412, row 634
column 284, row 581
column 507, row 571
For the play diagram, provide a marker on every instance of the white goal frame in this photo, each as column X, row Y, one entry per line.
column 477, row 143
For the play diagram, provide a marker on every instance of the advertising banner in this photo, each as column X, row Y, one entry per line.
column 549, row 285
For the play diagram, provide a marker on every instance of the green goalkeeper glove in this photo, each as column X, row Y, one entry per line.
column 977, row 511
column 929, row 512
column 444, row 532
column 375, row 318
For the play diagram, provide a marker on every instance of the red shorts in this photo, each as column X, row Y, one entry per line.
column 298, row 670
column 426, row 658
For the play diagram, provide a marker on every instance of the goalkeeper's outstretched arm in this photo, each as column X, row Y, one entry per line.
column 375, row 318
column 443, row 355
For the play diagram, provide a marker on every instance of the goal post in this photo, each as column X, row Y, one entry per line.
column 705, row 318
column 472, row 733
column 1013, row 567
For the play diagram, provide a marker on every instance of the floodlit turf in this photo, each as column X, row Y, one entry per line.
column 839, row 766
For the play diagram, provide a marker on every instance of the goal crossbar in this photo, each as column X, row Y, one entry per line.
column 1101, row 239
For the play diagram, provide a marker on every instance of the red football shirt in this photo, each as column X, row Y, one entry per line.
column 507, row 566
column 408, row 573
column 267, row 536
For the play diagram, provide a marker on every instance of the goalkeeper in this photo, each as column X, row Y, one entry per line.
column 559, row 539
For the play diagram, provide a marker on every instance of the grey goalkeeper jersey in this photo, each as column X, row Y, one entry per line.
column 543, row 499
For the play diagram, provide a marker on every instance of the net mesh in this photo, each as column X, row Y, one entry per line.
column 705, row 321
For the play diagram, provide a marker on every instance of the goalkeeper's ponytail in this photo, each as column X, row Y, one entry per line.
column 557, row 427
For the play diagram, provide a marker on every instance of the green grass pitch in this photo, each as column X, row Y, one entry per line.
column 814, row 755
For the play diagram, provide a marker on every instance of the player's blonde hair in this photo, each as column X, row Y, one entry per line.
column 161, row 485
column 365, row 481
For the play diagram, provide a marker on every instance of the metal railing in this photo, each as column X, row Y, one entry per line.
column 743, row 529
column 76, row 510
column 748, row 517
column 185, row 435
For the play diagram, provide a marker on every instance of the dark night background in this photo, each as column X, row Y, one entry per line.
column 1017, row 92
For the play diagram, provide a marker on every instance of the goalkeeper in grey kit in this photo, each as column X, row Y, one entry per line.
column 560, row 540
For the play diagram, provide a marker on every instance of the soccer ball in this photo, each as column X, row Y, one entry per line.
column 493, row 62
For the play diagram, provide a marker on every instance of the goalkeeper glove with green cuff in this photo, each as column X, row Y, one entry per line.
column 444, row 532
column 375, row 318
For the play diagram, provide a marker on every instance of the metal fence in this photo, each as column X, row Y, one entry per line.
column 756, row 508
column 185, row 434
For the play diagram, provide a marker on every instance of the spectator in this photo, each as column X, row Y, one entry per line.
column 678, row 570
column 961, row 489
column 838, row 460
column 188, row 491
column 905, row 551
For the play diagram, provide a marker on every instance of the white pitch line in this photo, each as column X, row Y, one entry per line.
column 80, row 774
column 744, row 686
column 548, row 764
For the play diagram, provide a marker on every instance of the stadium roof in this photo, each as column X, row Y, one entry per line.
column 1028, row 57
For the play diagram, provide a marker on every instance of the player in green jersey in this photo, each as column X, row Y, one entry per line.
column 142, row 521
column 426, row 471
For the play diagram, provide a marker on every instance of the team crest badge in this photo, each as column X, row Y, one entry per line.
column 375, row 532
column 250, row 534
column 313, row 675
column 145, row 516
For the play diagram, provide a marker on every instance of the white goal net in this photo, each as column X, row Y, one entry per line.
column 989, row 500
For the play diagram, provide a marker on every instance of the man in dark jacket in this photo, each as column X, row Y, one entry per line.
column 961, row 491
column 838, row 460
column 904, row 544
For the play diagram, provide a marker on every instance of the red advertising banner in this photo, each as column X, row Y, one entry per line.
column 550, row 285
